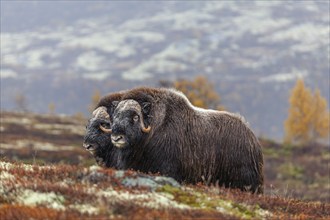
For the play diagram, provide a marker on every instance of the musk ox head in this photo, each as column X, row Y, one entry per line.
column 97, row 137
column 129, row 126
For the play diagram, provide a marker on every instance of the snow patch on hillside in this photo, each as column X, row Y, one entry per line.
column 284, row 77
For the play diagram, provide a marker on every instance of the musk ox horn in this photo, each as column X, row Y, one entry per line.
column 146, row 130
column 143, row 127
column 101, row 112
column 105, row 130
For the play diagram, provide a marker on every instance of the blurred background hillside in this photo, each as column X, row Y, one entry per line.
column 56, row 55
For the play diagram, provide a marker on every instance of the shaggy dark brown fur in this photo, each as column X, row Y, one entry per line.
column 187, row 143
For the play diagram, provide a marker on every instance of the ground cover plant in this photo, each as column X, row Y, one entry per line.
column 46, row 174
column 67, row 191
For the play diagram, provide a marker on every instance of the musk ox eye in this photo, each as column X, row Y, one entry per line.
column 136, row 118
column 105, row 125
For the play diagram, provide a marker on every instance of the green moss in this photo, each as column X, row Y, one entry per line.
column 181, row 196
column 88, row 162
column 195, row 199
column 34, row 161
column 270, row 152
column 291, row 171
column 325, row 155
column 244, row 211
column 284, row 151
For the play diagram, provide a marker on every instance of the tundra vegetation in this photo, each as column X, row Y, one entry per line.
column 68, row 192
column 42, row 158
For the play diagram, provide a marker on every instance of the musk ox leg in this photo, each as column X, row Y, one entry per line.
column 249, row 181
column 241, row 179
column 169, row 168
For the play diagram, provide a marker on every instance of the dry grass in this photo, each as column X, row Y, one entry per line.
column 65, row 191
column 60, row 176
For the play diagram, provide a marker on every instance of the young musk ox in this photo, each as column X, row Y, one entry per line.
column 159, row 130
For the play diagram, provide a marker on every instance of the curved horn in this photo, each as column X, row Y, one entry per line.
column 146, row 130
column 101, row 112
column 105, row 130
column 143, row 127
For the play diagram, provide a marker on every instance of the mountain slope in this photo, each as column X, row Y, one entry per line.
column 253, row 52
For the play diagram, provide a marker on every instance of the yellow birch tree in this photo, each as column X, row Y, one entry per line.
column 321, row 117
column 200, row 92
column 308, row 118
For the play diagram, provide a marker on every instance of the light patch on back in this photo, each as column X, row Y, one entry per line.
column 236, row 115
column 197, row 109
column 203, row 111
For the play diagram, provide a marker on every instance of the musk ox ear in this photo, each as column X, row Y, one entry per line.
column 112, row 108
column 146, row 106
column 114, row 104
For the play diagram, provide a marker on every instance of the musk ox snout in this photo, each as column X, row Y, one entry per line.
column 123, row 134
column 92, row 148
column 118, row 140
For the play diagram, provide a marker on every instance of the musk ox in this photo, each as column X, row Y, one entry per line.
column 160, row 131
column 98, row 142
